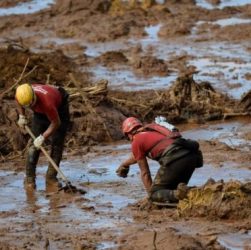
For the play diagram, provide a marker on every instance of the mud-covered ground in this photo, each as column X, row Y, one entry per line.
column 180, row 59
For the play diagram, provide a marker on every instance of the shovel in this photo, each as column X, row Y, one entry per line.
column 69, row 186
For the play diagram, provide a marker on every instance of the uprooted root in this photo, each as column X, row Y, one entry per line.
column 185, row 100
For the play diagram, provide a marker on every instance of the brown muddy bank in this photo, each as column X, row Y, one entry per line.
column 64, row 44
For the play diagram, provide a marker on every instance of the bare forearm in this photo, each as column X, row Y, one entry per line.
column 147, row 181
column 129, row 161
column 51, row 129
column 145, row 174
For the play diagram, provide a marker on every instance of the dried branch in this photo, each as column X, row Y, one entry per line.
column 128, row 103
column 85, row 99
column 17, row 81
column 21, row 77
column 227, row 115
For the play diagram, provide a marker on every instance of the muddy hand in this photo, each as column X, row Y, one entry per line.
column 122, row 171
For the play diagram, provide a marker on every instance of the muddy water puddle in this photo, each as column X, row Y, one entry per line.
column 223, row 3
column 126, row 80
column 231, row 241
column 35, row 5
column 26, row 8
column 224, row 65
column 231, row 21
column 237, row 241
column 230, row 133
column 100, row 209
column 103, row 207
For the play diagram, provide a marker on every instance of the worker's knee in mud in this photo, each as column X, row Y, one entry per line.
column 164, row 195
column 153, row 196
column 157, row 185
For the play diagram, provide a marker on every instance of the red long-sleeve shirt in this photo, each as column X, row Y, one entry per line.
column 144, row 141
column 48, row 100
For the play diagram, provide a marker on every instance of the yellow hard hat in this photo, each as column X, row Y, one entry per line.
column 24, row 94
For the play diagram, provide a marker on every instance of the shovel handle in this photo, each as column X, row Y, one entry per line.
column 48, row 156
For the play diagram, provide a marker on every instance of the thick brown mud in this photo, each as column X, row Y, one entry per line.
column 186, row 60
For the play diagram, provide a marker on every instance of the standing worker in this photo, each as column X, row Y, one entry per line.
column 177, row 157
column 50, row 119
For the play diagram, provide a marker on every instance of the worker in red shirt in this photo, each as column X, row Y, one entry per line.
column 177, row 157
column 50, row 120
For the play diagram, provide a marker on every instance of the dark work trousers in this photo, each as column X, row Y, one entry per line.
column 39, row 124
column 169, row 176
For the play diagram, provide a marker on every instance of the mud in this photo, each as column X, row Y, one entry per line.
column 186, row 60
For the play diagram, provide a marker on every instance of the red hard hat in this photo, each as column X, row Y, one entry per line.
column 130, row 123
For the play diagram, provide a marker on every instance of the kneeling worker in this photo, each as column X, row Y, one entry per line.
column 177, row 157
column 50, row 119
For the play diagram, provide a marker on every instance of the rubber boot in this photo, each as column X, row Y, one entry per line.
column 164, row 195
column 30, row 183
column 31, row 162
column 51, row 178
column 56, row 154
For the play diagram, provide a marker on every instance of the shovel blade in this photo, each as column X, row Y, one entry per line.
column 69, row 188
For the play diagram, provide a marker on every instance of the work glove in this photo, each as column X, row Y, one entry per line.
column 38, row 142
column 22, row 121
column 122, row 171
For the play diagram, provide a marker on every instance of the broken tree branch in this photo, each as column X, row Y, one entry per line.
column 21, row 77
